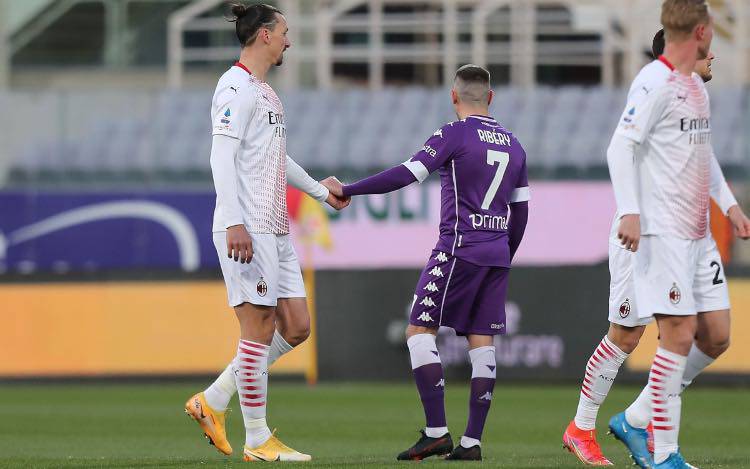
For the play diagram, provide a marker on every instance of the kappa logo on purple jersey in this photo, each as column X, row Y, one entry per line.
column 427, row 301
column 437, row 272
column 425, row 317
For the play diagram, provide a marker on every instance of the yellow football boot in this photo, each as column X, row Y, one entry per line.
column 210, row 420
column 274, row 450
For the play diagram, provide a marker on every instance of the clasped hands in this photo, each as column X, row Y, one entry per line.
column 336, row 197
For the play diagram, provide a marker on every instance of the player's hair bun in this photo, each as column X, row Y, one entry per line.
column 239, row 10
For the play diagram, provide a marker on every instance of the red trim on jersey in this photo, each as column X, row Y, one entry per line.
column 662, row 59
column 239, row 64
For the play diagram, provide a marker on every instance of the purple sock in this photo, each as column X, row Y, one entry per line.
column 428, row 374
column 431, row 386
column 479, row 406
column 483, row 373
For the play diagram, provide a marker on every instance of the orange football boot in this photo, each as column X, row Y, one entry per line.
column 583, row 444
column 211, row 422
column 274, row 450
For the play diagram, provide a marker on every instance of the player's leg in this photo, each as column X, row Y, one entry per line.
column 483, row 375
column 257, row 324
column 601, row 369
column 665, row 272
column 208, row 408
column 711, row 340
column 284, row 287
column 625, row 331
column 292, row 327
column 427, row 368
column 480, row 322
column 292, row 316
column 712, row 302
column 676, row 335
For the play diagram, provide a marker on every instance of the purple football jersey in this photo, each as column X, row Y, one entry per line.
column 482, row 169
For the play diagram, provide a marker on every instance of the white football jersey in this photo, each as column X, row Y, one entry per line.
column 248, row 109
column 668, row 115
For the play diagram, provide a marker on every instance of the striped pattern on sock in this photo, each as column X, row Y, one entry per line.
column 604, row 356
column 661, row 370
column 252, row 366
column 601, row 371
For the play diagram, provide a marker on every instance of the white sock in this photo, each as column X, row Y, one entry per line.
column 252, row 384
column 601, row 370
column 665, row 383
column 435, row 432
column 638, row 414
column 279, row 347
column 697, row 361
column 221, row 391
column 467, row 442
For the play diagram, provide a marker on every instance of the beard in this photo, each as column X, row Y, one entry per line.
column 280, row 60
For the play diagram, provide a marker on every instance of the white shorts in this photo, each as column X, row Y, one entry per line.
column 273, row 272
column 622, row 305
column 677, row 277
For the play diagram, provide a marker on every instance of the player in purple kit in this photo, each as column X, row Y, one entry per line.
column 484, row 210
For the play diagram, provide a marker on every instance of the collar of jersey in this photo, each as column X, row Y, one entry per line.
column 239, row 64
column 666, row 62
column 480, row 117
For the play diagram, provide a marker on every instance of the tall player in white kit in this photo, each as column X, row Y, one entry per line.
column 626, row 328
column 660, row 165
column 251, row 169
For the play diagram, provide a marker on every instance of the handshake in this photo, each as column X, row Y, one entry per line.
column 336, row 197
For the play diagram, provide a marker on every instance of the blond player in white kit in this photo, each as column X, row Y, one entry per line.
column 660, row 164
column 251, row 169
column 626, row 327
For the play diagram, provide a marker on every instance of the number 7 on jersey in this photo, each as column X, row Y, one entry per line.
column 502, row 159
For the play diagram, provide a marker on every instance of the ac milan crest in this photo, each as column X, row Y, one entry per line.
column 625, row 308
column 262, row 287
column 674, row 294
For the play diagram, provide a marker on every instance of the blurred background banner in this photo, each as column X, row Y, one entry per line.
column 106, row 197
column 63, row 232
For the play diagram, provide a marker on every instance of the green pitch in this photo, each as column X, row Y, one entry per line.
column 341, row 425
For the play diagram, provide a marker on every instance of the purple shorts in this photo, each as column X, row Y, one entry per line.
column 467, row 297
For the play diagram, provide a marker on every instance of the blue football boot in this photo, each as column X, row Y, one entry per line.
column 674, row 461
column 634, row 439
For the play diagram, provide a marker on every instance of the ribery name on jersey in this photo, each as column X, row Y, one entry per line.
column 490, row 136
column 488, row 222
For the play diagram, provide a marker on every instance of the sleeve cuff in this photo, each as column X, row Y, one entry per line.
column 418, row 169
column 520, row 194
column 322, row 193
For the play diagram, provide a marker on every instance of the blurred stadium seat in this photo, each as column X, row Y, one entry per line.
column 160, row 135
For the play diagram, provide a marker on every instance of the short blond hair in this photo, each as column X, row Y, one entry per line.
column 680, row 17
